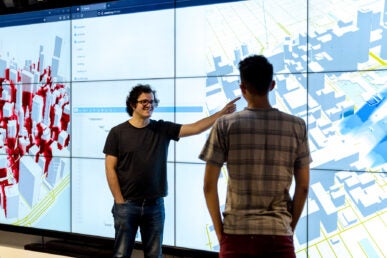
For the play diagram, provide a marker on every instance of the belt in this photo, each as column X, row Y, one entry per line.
column 144, row 201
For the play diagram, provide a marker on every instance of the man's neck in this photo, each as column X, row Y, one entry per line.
column 261, row 102
column 139, row 122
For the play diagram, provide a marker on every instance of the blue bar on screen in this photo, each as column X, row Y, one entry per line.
column 179, row 109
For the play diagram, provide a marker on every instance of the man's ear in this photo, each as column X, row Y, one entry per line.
column 242, row 86
column 272, row 86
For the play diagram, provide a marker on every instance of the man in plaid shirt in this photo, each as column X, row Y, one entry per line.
column 264, row 149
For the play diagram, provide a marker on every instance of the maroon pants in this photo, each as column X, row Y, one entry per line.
column 255, row 246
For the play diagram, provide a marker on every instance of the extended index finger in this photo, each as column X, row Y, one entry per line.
column 234, row 100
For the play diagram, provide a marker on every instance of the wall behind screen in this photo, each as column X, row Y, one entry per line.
column 65, row 73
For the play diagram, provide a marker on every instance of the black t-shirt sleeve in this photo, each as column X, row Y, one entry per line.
column 111, row 143
column 175, row 131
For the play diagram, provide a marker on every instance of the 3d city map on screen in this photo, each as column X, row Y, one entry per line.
column 65, row 74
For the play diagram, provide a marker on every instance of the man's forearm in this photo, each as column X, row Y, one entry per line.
column 298, row 204
column 212, row 202
column 205, row 123
column 114, row 186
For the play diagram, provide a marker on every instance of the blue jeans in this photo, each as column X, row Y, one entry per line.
column 149, row 215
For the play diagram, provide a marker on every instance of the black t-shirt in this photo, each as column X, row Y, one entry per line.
column 142, row 157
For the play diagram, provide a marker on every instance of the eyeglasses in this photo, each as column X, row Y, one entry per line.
column 146, row 102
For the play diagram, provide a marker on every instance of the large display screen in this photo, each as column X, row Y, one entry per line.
column 65, row 74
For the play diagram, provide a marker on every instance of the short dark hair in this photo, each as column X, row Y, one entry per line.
column 257, row 74
column 131, row 99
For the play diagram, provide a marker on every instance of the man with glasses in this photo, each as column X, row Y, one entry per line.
column 136, row 170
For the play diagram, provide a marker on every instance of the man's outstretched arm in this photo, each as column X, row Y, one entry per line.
column 205, row 123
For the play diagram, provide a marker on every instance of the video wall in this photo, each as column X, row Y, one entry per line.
column 65, row 74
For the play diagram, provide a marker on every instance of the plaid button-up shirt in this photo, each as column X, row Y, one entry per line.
column 261, row 148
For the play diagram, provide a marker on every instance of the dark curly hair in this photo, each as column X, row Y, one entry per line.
column 257, row 72
column 131, row 99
